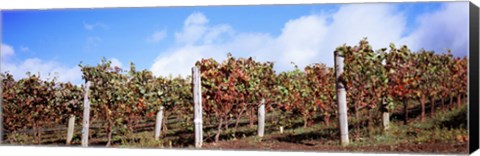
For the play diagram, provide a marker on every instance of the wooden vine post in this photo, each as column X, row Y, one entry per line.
column 384, row 109
column 261, row 118
column 385, row 115
column 86, row 116
column 197, row 99
column 341, row 99
column 158, row 123
column 405, row 111
column 71, row 124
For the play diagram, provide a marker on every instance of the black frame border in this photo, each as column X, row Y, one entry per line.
column 473, row 70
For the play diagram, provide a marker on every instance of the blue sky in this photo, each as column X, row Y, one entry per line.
column 168, row 40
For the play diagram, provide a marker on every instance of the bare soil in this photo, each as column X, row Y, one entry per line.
column 273, row 144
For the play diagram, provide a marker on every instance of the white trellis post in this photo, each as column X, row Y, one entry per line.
column 71, row 125
column 386, row 120
column 158, row 123
column 261, row 118
column 341, row 100
column 197, row 98
column 86, row 115
column 385, row 113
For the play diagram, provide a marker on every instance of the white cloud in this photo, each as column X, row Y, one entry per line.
column 157, row 36
column 194, row 28
column 116, row 62
column 311, row 38
column 304, row 40
column 179, row 62
column 92, row 26
column 46, row 69
column 6, row 51
column 215, row 34
column 446, row 28
column 300, row 41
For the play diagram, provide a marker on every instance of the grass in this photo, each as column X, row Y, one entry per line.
column 443, row 127
column 449, row 126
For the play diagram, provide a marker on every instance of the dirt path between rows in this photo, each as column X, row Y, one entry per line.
column 438, row 148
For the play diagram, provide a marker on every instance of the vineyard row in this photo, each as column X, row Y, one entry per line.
column 376, row 82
